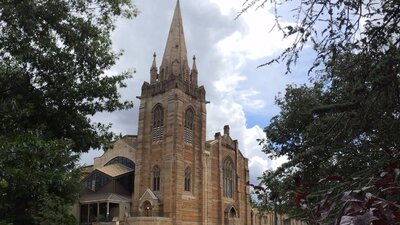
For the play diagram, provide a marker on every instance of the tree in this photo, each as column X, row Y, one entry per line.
column 53, row 61
column 341, row 133
column 42, row 179
column 333, row 27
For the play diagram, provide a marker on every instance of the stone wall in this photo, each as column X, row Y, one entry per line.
column 148, row 221
column 122, row 147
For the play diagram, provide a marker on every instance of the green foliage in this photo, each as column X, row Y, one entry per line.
column 42, row 178
column 340, row 136
column 71, row 220
column 54, row 209
column 341, row 133
column 53, row 58
column 2, row 222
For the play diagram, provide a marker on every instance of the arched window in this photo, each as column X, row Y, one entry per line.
column 121, row 160
column 232, row 213
column 156, row 178
column 188, row 174
column 228, row 174
column 188, row 127
column 158, row 123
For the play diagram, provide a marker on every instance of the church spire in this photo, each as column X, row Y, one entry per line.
column 193, row 73
column 175, row 61
column 153, row 70
column 154, row 65
column 194, row 67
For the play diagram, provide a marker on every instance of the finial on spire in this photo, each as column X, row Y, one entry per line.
column 194, row 67
column 154, row 65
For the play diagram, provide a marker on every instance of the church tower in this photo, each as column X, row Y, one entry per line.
column 169, row 174
column 171, row 135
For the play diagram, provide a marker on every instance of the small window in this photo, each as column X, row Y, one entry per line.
column 156, row 178
column 188, row 128
column 188, row 174
column 158, row 124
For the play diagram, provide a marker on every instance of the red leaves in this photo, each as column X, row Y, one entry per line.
column 388, row 179
column 369, row 203
column 363, row 219
column 300, row 197
column 380, row 207
column 297, row 181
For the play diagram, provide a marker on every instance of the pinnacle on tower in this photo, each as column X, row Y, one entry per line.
column 154, row 65
column 174, row 61
column 193, row 72
column 194, row 67
column 153, row 70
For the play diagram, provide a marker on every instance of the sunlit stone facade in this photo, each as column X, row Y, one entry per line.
column 177, row 177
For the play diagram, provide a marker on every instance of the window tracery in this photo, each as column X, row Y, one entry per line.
column 121, row 160
column 158, row 123
column 156, row 178
column 228, row 175
column 188, row 127
column 188, row 174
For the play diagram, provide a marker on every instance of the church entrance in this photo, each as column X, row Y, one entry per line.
column 231, row 216
column 147, row 209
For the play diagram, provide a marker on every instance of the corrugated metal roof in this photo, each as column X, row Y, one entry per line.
column 104, row 197
column 115, row 170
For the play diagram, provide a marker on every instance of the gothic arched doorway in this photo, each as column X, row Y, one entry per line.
column 231, row 216
column 147, row 209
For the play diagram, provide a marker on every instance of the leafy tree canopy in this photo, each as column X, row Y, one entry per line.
column 340, row 133
column 42, row 180
column 53, row 58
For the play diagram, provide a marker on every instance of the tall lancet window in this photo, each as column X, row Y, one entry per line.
column 188, row 132
column 188, row 174
column 156, row 178
column 158, row 124
column 228, row 175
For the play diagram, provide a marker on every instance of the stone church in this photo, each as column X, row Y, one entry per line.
column 168, row 173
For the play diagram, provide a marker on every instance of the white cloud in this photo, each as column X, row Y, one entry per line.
column 228, row 83
column 227, row 52
column 228, row 7
column 252, row 41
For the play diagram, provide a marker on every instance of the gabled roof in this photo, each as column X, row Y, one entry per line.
column 148, row 195
column 104, row 197
column 115, row 170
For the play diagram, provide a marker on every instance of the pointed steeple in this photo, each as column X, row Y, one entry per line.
column 174, row 61
column 154, row 77
column 154, row 65
column 193, row 73
column 194, row 67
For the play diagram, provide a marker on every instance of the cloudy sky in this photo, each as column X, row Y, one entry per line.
column 227, row 51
